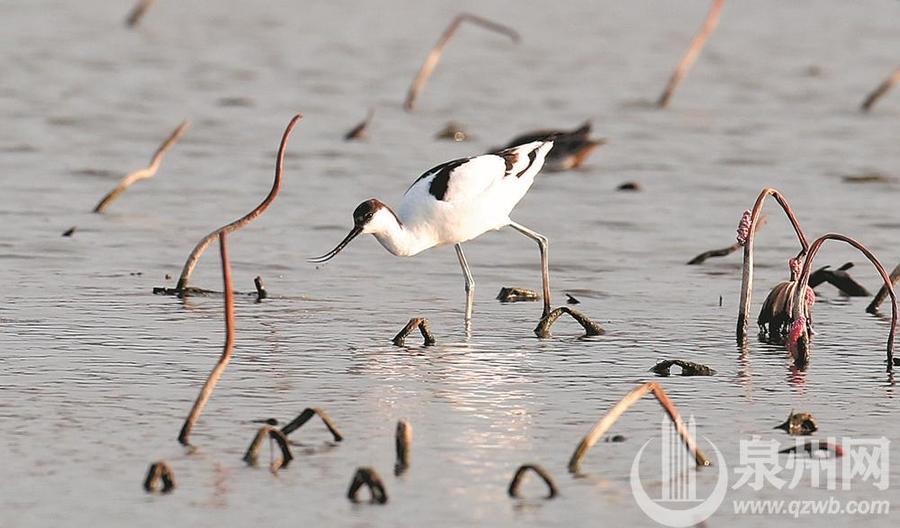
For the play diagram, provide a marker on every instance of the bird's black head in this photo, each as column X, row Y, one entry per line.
column 365, row 211
column 362, row 223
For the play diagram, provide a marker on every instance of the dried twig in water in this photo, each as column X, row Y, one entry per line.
column 624, row 404
column 693, row 51
column 227, row 350
column 146, row 173
column 201, row 246
column 799, row 339
column 883, row 292
column 840, row 279
column 360, row 131
column 159, row 471
column 701, row 258
column 434, row 56
column 367, row 476
column 746, row 234
column 305, row 416
column 591, row 328
column 511, row 295
column 541, row 472
column 138, row 12
column 69, row 232
column 403, row 445
column 799, row 424
column 663, row 368
column 413, row 323
column 251, row 457
column 882, row 89
column 261, row 292
column 571, row 300
column 815, row 445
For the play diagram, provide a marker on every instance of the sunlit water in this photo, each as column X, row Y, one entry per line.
column 97, row 373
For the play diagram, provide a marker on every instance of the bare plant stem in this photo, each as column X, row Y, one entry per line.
column 305, row 416
column 424, row 329
column 590, row 327
column 242, row 222
column 145, row 173
column 693, row 51
column 361, row 131
column 434, row 56
column 251, row 457
column 403, row 445
column 624, row 404
column 159, row 471
column 883, row 292
column 800, row 291
column 747, row 276
column 368, row 477
column 228, row 349
column 882, row 89
column 702, row 257
column 138, row 12
column 541, row 472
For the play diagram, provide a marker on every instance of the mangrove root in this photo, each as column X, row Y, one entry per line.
column 159, row 472
column 227, row 350
column 883, row 292
column 251, row 457
column 368, row 477
column 242, row 222
column 511, row 295
column 687, row 368
column 403, row 445
column 882, row 89
column 624, row 404
column 305, row 416
column 145, row 173
column 541, row 472
column 693, row 51
column 591, row 328
column 434, row 56
column 423, row 326
column 799, row 424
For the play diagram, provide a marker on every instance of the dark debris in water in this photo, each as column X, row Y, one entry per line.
column 840, row 279
column 511, row 295
column 571, row 300
column 591, row 328
column 663, row 368
column 69, row 232
column 630, row 186
column 799, row 424
column 453, row 132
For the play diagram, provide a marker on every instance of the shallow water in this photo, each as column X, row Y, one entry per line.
column 97, row 373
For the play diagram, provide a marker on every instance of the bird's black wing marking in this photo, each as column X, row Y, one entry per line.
column 511, row 157
column 531, row 157
column 441, row 181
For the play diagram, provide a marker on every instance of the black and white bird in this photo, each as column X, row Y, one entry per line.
column 571, row 147
column 456, row 202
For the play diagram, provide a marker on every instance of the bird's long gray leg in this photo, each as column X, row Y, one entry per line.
column 470, row 283
column 543, row 243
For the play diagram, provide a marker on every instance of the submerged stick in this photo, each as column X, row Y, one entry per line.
column 368, row 477
column 434, row 56
column 242, row 222
column 227, row 351
column 541, row 472
column 360, row 131
column 416, row 322
column 512, row 295
column 403, row 445
column 702, row 257
column 591, row 328
column 624, row 404
column 305, row 416
column 882, row 89
column 883, row 292
column 251, row 457
column 138, row 12
column 693, row 51
column 159, row 471
column 664, row 368
column 799, row 340
column 145, row 173
column 746, row 234
column 261, row 292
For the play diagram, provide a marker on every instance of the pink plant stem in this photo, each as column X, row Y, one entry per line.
column 693, row 51
column 798, row 300
column 747, row 276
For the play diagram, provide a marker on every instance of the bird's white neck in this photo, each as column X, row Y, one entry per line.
column 387, row 227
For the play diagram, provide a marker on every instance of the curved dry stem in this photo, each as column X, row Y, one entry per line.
column 424, row 329
column 145, row 173
column 368, row 477
column 434, row 56
column 882, row 89
column 403, row 445
column 747, row 275
column 138, row 12
column 591, row 328
column 159, row 471
column 624, row 404
column 702, row 257
column 883, row 292
column 228, row 349
column 361, row 131
column 803, row 282
column 541, row 472
column 242, row 222
column 693, row 51
column 305, row 416
column 251, row 457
